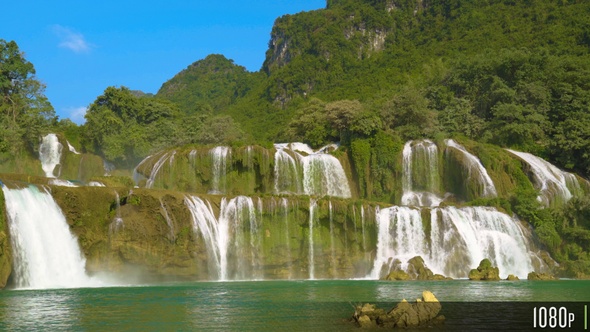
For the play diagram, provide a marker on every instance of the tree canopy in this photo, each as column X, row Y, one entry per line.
column 25, row 111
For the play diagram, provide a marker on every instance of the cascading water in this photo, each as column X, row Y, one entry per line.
column 461, row 237
column 50, row 155
column 285, row 208
column 245, row 249
column 332, row 244
column 137, row 177
column 322, row 173
column 420, row 178
column 219, row 156
column 233, row 240
column 312, row 207
column 214, row 232
column 168, row 220
column 475, row 170
column 400, row 236
column 458, row 240
column 554, row 184
column 168, row 156
column 46, row 254
column 287, row 172
column 117, row 222
column 72, row 148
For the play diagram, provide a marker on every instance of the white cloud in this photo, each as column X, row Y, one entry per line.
column 77, row 114
column 71, row 39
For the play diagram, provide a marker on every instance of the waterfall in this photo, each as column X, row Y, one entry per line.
column 285, row 208
column 72, row 148
column 475, row 170
column 400, row 235
column 458, row 239
column 61, row 183
column 312, row 207
column 420, row 177
column 50, row 154
column 461, row 238
column 168, row 220
column 136, row 175
column 363, row 228
column 46, row 254
column 240, row 214
column 168, row 156
column 332, row 244
column 214, row 233
column 219, row 156
column 117, row 222
column 287, row 172
column 233, row 240
column 322, row 173
column 549, row 180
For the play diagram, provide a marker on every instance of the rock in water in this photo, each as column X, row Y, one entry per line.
column 512, row 277
column 418, row 270
column 540, row 276
column 397, row 275
column 485, row 271
column 423, row 312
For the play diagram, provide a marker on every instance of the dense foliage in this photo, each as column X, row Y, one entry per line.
column 25, row 112
column 370, row 74
column 125, row 128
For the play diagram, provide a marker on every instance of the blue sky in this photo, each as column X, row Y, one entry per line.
column 79, row 48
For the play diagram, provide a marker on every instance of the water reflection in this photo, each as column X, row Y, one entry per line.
column 267, row 305
column 24, row 310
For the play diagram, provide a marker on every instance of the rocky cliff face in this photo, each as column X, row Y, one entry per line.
column 152, row 232
column 5, row 249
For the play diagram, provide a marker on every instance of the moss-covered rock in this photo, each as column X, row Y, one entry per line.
column 5, row 248
column 423, row 312
column 153, row 231
column 397, row 275
column 540, row 276
column 485, row 271
column 418, row 270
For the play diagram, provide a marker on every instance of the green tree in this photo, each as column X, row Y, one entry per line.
column 26, row 112
column 409, row 114
column 124, row 128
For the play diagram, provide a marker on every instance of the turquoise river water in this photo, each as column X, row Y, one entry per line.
column 307, row 305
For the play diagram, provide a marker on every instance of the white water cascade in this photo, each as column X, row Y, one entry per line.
column 219, row 156
column 458, row 240
column 554, row 184
column 245, row 249
column 50, row 155
column 232, row 240
column 72, row 148
column 287, row 172
column 312, row 207
column 309, row 172
column 214, row 233
column 285, row 209
column 168, row 156
column 475, row 170
column 46, row 254
column 420, row 178
column 117, row 222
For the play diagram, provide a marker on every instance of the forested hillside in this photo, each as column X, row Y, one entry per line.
column 505, row 72
column 371, row 75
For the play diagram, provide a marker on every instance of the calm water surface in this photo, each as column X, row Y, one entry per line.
column 307, row 305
